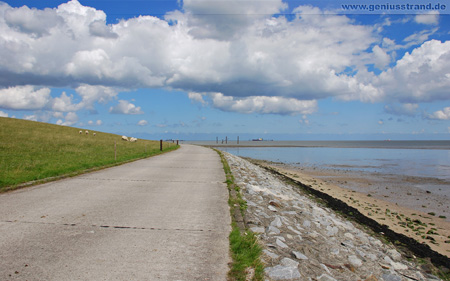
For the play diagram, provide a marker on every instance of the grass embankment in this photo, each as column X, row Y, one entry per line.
column 245, row 250
column 33, row 151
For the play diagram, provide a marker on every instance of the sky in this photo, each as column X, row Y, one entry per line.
column 201, row 69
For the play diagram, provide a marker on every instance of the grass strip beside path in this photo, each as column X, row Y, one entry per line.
column 33, row 152
column 245, row 250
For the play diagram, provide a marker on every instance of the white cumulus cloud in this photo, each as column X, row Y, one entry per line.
column 24, row 98
column 70, row 119
column 431, row 17
column 97, row 123
column 125, row 107
column 420, row 76
column 443, row 114
column 142, row 122
column 266, row 105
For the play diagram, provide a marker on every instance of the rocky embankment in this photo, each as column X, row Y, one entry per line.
column 303, row 240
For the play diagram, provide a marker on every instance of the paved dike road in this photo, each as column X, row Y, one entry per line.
column 162, row 218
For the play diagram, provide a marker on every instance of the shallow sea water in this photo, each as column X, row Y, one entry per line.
column 433, row 163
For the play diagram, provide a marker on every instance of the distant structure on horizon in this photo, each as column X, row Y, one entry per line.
column 260, row 139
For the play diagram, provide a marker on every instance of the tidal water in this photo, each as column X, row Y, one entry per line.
column 408, row 158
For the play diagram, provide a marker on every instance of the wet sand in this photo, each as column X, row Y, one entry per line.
column 414, row 206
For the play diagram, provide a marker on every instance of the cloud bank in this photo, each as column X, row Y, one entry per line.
column 236, row 53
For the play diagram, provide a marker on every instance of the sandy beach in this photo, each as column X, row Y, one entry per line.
column 414, row 206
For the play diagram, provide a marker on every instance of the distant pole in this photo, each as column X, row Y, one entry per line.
column 160, row 145
column 238, row 140
column 115, row 150
column 226, row 140
column 217, row 140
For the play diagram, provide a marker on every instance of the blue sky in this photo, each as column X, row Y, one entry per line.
column 198, row 69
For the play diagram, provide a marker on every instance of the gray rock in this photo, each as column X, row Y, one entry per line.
column 306, row 223
column 272, row 208
column 271, row 255
column 325, row 277
column 264, row 215
column 396, row 256
column 281, row 244
column 289, row 262
column 294, row 230
column 250, row 203
column 332, row 230
column 334, row 251
column 348, row 244
column 272, row 230
column 360, row 253
column 395, row 265
column 391, row 277
column 276, row 222
column 280, row 272
column 257, row 229
column 399, row 266
column 324, row 267
column 354, row 261
column 349, row 236
column 372, row 257
column 299, row 255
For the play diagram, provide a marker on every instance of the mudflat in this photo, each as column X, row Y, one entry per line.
column 390, row 200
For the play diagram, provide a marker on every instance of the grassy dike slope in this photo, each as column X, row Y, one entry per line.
column 34, row 151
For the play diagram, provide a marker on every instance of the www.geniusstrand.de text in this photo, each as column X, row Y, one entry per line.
column 394, row 7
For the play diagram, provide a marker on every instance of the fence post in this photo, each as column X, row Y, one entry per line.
column 160, row 145
column 177, row 142
column 238, row 140
column 226, row 140
column 115, row 150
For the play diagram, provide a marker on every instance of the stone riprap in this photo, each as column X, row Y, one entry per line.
column 305, row 241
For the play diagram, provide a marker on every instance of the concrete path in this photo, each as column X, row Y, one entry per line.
column 162, row 218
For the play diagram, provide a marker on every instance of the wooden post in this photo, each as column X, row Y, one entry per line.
column 217, row 140
column 160, row 145
column 238, row 140
column 177, row 142
column 226, row 140
column 115, row 150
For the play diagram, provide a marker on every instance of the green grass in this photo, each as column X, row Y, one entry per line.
column 246, row 254
column 244, row 246
column 34, row 151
